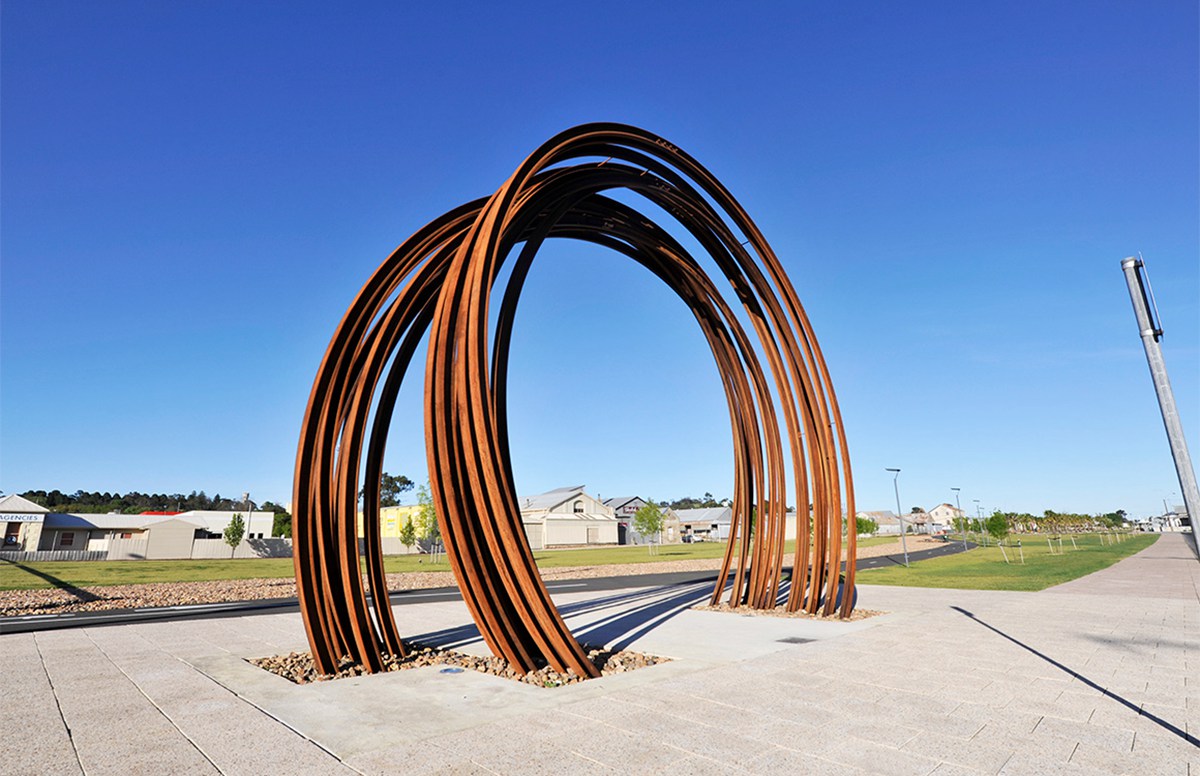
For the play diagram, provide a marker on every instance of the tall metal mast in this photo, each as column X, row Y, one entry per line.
column 1151, row 331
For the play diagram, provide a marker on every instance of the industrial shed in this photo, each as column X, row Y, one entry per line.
column 566, row 517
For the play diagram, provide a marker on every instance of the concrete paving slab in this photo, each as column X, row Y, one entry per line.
column 30, row 704
column 1090, row 678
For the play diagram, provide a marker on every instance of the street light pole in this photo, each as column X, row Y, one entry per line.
column 899, row 515
column 961, row 515
column 979, row 521
column 1150, row 329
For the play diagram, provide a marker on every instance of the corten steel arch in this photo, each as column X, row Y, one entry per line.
column 441, row 281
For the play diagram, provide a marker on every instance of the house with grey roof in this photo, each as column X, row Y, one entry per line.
column 30, row 528
column 22, row 521
column 705, row 523
column 566, row 517
column 626, row 507
column 885, row 519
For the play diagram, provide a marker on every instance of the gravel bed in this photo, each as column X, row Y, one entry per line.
column 298, row 666
column 91, row 599
column 779, row 611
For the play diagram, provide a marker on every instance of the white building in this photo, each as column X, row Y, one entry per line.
column 943, row 516
column 626, row 507
column 885, row 519
column 22, row 520
column 1173, row 521
column 567, row 517
column 152, row 535
column 706, row 523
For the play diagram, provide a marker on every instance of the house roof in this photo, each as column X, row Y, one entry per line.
column 14, row 504
column 208, row 520
column 108, row 522
column 708, row 515
column 620, row 501
column 550, row 498
column 579, row 516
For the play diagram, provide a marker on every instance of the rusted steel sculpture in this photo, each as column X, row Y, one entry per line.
column 441, row 281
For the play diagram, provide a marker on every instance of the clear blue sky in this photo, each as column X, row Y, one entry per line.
column 192, row 193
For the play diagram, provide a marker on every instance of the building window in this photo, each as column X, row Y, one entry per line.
column 127, row 535
column 66, row 540
column 578, row 508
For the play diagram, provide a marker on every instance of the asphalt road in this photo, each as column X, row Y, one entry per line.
column 41, row 622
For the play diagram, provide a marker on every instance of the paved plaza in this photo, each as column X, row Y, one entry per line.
column 1101, row 675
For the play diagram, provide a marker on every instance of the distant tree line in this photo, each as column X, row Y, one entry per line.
column 133, row 503
column 691, row 502
column 1001, row 523
column 84, row 502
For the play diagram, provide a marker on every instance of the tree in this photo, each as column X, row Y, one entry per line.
column 916, row 511
column 234, row 533
column 997, row 526
column 426, row 524
column 690, row 502
column 282, row 524
column 391, row 487
column 1113, row 519
column 865, row 525
column 648, row 521
column 408, row 534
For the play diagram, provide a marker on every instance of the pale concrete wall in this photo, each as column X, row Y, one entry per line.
column 127, row 549
column 575, row 531
column 170, row 539
column 249, row 548
column 564, row 532
column 535, row 534
column 98, row 541
column 30, row 536
column 590, row 505
column 392, row 545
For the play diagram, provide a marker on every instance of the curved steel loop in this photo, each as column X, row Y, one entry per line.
column 440, row 281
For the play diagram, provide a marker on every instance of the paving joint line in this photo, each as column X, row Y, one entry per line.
column 591, row 759
column 712, row 759
column 152, row 702
column 58, row 705
column 267, row 714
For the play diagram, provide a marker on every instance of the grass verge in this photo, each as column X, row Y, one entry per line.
column 45, row 574
column 985, row 569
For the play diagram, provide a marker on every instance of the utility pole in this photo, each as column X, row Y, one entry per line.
column 899, row 515
column 1151, row 331
column 961, row 516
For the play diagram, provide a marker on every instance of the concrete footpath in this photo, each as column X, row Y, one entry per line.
column 1101, row 675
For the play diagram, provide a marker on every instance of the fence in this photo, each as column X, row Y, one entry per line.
column 249, row 548
column 54, row 555
column 201, row 549
column 126, row 549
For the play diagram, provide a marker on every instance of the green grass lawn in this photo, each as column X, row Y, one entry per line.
column 872, row 541
column 979, row 569
column 985, row 569
column 24, row 576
